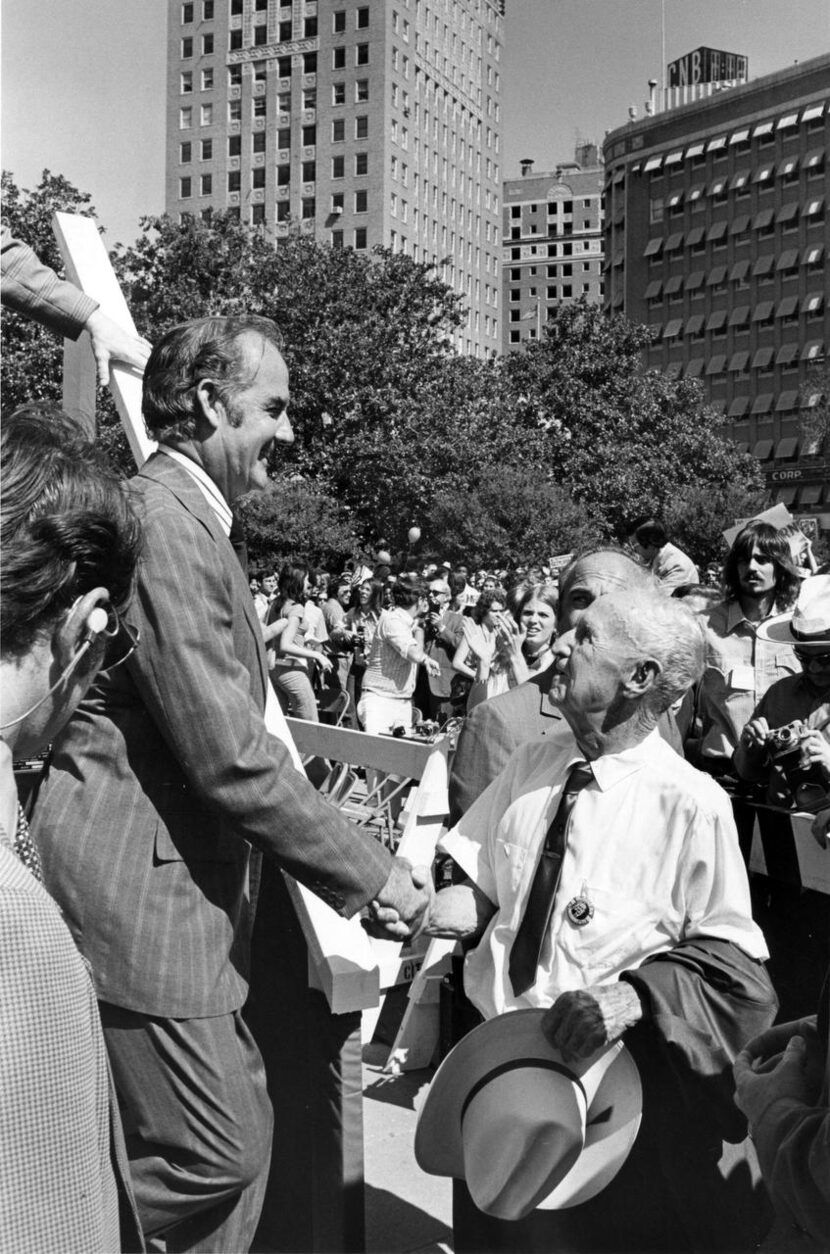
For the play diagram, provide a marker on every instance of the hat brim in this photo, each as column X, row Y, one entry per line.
column 612, row 1122
column 778, row 629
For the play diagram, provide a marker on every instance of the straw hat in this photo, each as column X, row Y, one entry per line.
column 808, row 625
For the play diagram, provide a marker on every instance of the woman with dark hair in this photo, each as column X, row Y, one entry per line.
column 290, row 673
column 759, row 580
column 489, row 652
column 533, row 605
column 357, row 633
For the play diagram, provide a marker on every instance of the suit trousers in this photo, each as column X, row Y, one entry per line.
column 197, row 1124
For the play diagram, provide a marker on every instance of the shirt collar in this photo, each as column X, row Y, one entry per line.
column 611, row 768
column 205, row 484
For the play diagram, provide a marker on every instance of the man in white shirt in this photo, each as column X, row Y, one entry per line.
column 394, row 658
column 625, row 912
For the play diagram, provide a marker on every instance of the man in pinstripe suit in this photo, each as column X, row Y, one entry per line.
column 162, row 782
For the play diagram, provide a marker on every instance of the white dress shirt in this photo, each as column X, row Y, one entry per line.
column 651, row 845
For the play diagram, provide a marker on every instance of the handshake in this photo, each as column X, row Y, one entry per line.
column 401, row 908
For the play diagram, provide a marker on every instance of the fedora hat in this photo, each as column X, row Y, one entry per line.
column 808, row 625
column 521, row 1126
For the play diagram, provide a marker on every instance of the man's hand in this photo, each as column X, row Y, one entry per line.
column 460, row 912
column 111, row 343
column 754, row 735
column 815, row 749
column 583, row 1021
column 431, row 667
column 401, row 906
column 794, row 1074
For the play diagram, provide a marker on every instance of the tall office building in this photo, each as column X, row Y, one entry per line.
column 552, row 236
column 717, row 235
column 362, row 124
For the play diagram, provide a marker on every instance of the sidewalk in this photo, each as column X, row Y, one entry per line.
column 406, row 1210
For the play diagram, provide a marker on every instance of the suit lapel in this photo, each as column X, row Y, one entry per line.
column 167, row 471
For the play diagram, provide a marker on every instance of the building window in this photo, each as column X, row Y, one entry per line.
column 206, row 185
column 185, row 118
column 284, row 137
column 310, row 28
column 337, row 239
column 260, row 36
column 361, row 90
column 338, row 58
column 361, row 54
column 361, row 202
column 261, row 6
column 361, row 163
column 309, row 63
column 236, row 8
column 309, row 207
column 258, row 176
column 338, row 167
column 283, row 175
column 338, row 22
column 187, row 14
column 258, row 141
column 283, row 67
column 234, row 181
column 260, row 106
column 258, row 215
column 337, row 202
column 284, row 102
column 338, row 130
column 207, row 79
column 186, row 82
column 207, row 150
column 185, row 188
column 187, row 48
column 234, row 145
column 309, row 136
column 309, row 171
column 207, row 10
column 185, row 153
column 338, row 93
column 309, row 97
column 207, row 45
column 283, row 210
column 360, row 237
column 285, row 32
column 234, row 75
column 362, row 18
column 361, row 128
column 206, row 115
column 235, row 40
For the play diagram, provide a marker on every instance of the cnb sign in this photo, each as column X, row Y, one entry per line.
column 707, row 65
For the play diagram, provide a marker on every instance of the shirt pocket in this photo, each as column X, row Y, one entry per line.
column 620, row 932
column 510, row 869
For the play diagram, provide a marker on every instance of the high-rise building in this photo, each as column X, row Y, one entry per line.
column 362, row 124
column 717, row 236
column 552, row 237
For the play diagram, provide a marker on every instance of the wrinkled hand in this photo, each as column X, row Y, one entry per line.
column 585, row 1020
column 821, row 828
column 111, row 343
column 754, row 735
column 402, row 905
column 794, row 1074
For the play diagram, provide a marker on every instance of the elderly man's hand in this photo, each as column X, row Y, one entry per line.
column 584, row 1020
column 402, row 905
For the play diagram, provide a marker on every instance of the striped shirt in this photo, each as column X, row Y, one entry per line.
column 390, row 671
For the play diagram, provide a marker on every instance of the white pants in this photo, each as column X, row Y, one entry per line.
column 381, row 714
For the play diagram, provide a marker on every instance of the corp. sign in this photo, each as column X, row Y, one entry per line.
column 707, row 65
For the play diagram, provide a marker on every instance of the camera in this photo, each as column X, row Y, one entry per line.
column 807, row 786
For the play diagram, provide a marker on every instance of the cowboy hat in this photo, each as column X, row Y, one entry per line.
column 808, row 624
column 521, row 1126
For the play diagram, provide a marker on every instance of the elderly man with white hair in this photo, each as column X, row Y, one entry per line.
column 604, row 883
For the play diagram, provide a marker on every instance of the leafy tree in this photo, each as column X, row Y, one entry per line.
column 296, row 520
column 815, row 414
column 697, row 515
column 33, row 356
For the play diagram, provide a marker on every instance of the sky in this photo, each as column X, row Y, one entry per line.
column 83, row 81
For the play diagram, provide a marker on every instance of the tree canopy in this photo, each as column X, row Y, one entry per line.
column 501, row 461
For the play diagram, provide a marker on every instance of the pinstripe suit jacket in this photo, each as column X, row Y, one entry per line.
column 166, row 773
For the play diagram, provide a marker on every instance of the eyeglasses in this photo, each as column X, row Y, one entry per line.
column 812, row 659
column 121, row 640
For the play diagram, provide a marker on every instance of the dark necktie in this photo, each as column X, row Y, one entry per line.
column 524, row 955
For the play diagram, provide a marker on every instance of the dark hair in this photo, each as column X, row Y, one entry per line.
column 650, row 532
column 523, row 593
column 407, row 592
column 484, row 602
column 206, row 348
column 772, row 545
column 375, row 602
column 457, row 583
column 66, row 522
column 291, row 584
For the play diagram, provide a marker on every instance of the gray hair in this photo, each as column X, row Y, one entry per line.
column 663, row 629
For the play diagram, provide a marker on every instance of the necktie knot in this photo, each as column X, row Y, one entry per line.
column 581, row 775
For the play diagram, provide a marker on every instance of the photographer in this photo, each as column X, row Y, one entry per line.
column 795, row 762
column 442, row 632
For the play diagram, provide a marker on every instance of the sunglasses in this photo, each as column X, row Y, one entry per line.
column 812, row 659
column 120, row 640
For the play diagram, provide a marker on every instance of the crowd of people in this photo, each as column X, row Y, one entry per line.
column 619, row 723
